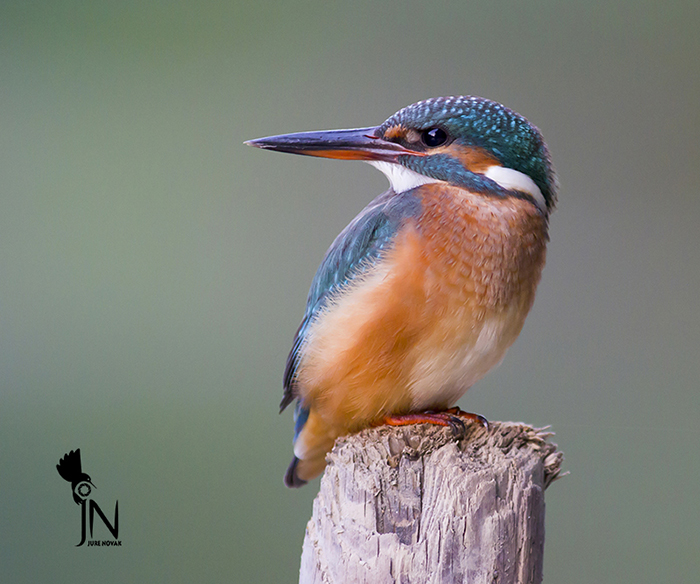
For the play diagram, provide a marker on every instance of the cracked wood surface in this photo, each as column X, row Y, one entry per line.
column 413, row 504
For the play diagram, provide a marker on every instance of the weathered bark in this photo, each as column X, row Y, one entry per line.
column 412, row 504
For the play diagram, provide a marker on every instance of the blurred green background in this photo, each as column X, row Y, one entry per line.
column 153, row 269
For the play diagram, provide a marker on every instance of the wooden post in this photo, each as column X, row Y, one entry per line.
column 414, row 505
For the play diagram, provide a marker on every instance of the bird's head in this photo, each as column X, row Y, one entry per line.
column 465, row 141
column 83, row 488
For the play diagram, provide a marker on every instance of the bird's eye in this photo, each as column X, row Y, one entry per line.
column 434, row 137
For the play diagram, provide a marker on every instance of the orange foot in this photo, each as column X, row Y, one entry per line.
column 452, row 417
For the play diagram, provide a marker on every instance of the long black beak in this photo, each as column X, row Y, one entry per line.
column 358, row 144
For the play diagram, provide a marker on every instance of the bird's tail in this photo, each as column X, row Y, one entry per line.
column 314, row 441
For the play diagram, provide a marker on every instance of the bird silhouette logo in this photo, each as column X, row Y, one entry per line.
column 70, row 468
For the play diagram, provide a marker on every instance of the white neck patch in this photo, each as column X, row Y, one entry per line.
column 515, row 180
column 401, row 178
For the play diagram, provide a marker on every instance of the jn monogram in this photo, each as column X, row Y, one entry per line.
column 70, row 468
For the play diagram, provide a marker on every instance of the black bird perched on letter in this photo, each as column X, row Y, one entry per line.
column 70, row 468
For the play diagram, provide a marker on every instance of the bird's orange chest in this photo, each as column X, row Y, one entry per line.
column 436, row 313
column 487, row 252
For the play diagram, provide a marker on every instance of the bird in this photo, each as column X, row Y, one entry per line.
column 420, row 296
column 70, row 469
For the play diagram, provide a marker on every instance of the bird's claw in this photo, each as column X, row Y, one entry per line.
column 454, row 418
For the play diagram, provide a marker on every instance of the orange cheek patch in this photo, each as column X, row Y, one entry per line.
column 472, row 157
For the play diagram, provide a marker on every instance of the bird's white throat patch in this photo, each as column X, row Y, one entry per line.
column 403, row 179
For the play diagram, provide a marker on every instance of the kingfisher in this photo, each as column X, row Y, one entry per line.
column 424, row 291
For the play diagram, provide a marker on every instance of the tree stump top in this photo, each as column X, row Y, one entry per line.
column 416, row 504
column 388, row 444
